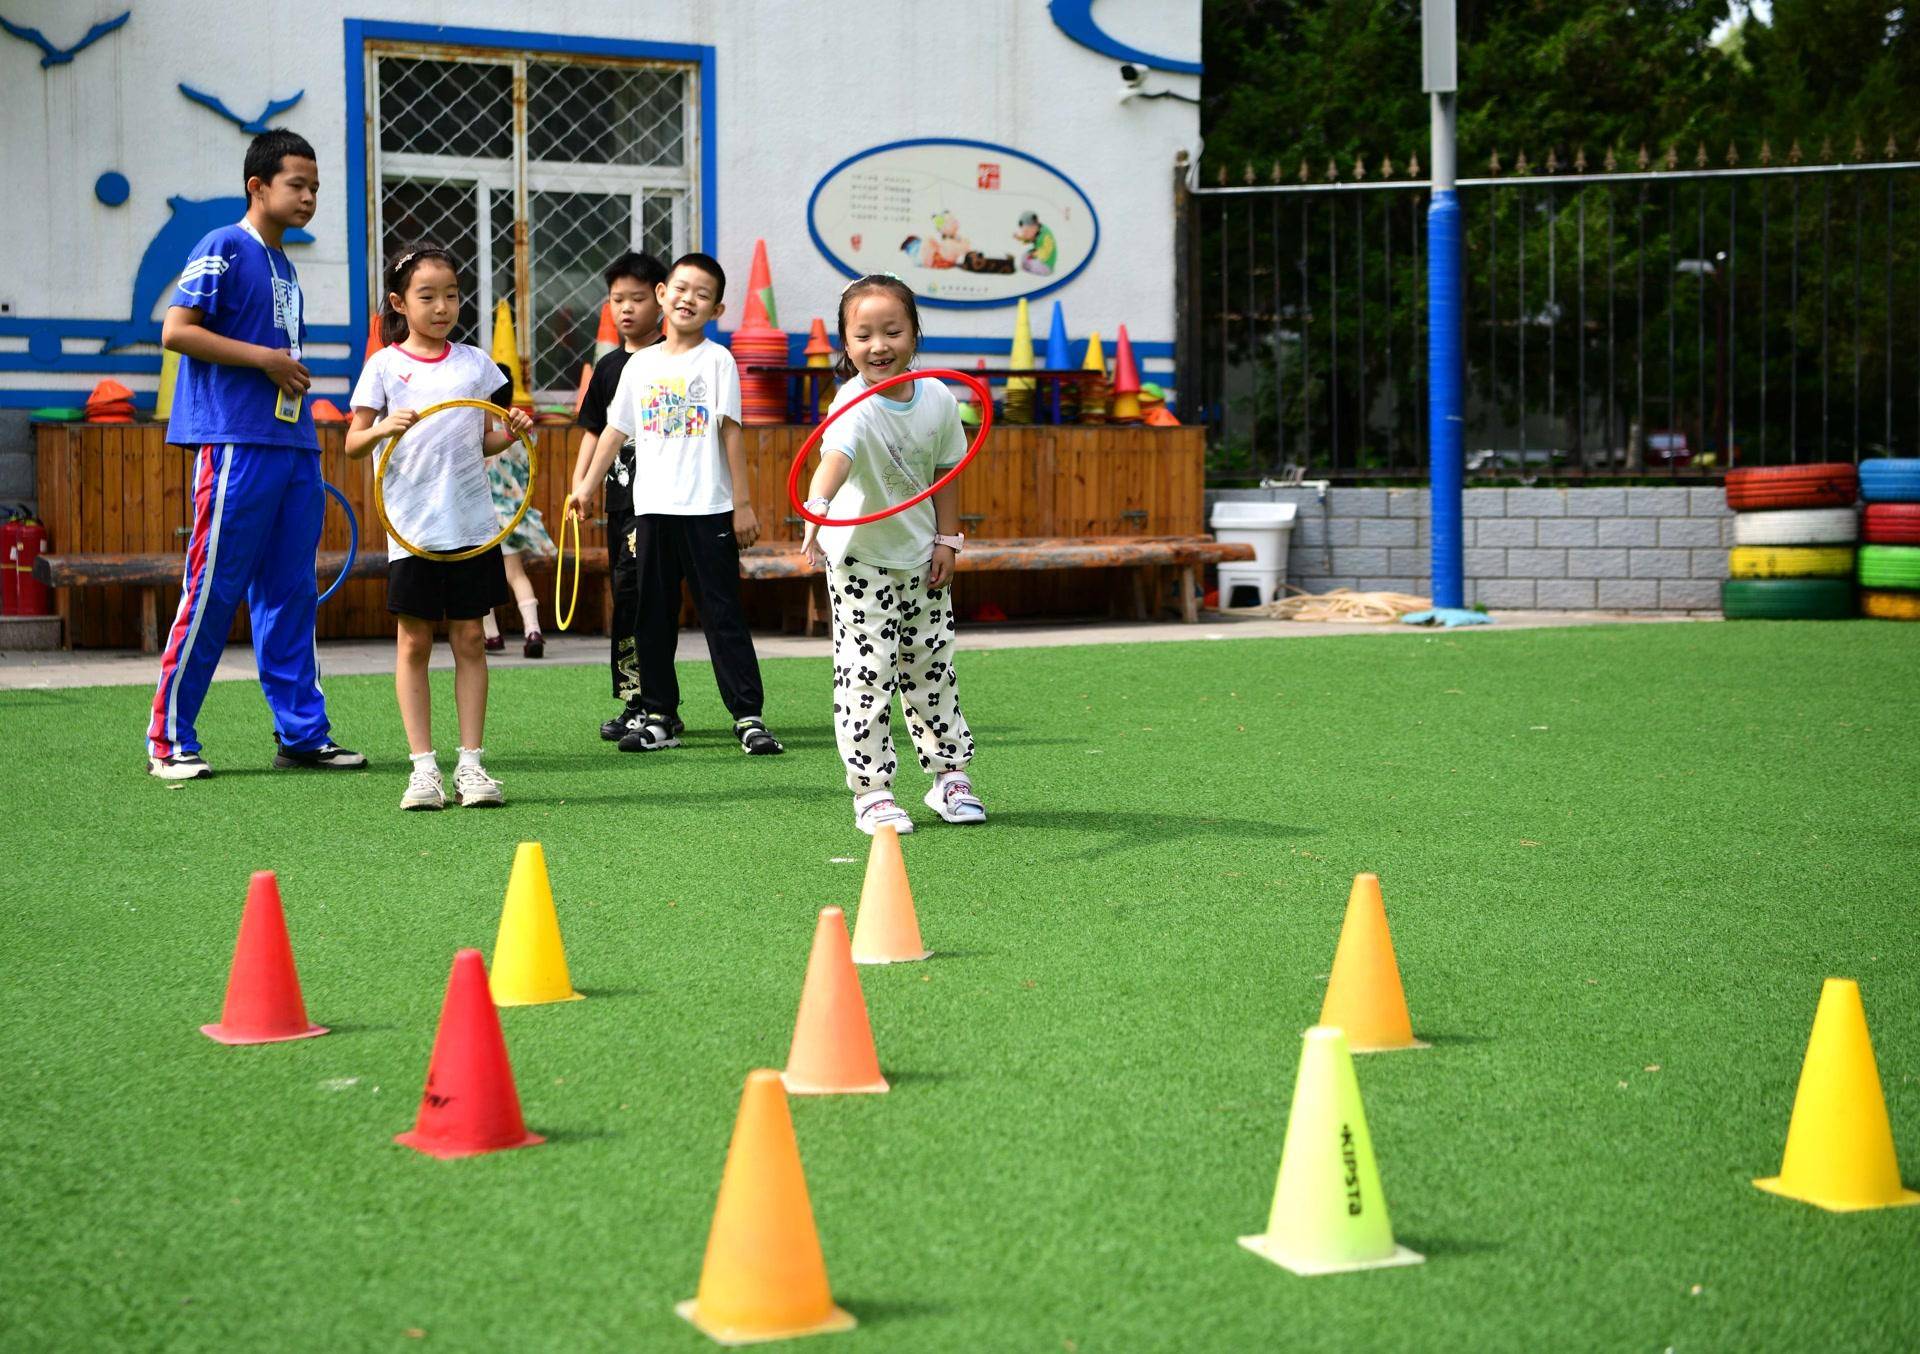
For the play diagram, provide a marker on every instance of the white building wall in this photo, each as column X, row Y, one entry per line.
column 801, row 86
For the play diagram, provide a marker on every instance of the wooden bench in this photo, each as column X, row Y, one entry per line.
column 780, row 560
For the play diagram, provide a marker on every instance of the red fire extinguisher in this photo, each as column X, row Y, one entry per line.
column 24, row 540
column 9, row 580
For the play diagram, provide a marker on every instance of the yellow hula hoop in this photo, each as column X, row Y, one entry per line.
column 569, row 513
column 451, row 556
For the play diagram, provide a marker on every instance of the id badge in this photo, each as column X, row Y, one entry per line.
column 286, row 408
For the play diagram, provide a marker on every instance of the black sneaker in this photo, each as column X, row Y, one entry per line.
column 623, row 723
column 755, row 741
column 652, row 732
column 179, row 766
column 326, row 757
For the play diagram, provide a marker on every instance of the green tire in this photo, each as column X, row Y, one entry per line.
column 1787, row 599
column 1890, row 566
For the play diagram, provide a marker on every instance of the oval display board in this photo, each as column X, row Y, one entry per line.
column 965, row 223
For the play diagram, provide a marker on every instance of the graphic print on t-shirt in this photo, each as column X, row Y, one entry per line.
column 673, row 408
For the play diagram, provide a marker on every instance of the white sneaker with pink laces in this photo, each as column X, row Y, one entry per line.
column 952, row 797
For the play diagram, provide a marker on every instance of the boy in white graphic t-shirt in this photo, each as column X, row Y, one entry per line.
column 679, row 402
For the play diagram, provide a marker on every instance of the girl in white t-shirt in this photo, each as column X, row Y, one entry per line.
column 892, row 611
column 437, row 496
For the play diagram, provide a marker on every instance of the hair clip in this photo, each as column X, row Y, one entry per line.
column 868, row 277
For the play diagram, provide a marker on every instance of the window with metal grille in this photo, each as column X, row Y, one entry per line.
column 535, row 171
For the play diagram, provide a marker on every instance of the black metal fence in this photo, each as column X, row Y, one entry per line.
column 1648, row 322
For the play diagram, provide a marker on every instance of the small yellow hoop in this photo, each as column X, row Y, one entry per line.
column 569, row 515
column 451, row 556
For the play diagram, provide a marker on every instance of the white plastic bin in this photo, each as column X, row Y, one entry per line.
column 1268, row 528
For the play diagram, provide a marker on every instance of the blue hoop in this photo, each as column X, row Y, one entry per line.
column 353, row 541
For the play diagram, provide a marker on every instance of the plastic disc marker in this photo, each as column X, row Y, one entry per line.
column 452, row 556
column 981, row 393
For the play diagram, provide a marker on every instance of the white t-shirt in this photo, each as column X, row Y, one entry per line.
column 436, row 484
column 897, row 450
column 673, row 406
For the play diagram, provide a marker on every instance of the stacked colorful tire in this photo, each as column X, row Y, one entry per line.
column 1794, row 528
column 1889, row 568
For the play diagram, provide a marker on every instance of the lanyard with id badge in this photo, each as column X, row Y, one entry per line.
column 286, row 407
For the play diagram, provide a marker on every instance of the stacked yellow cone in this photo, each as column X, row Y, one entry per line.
column 529, row 959
column 887, row 930
column 1329, row 1214
column 1364, row 996
column 1840, row 1153
column 507, row 353
column 764, row 1277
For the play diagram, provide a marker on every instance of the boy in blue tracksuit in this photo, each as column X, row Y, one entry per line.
column 240, row 401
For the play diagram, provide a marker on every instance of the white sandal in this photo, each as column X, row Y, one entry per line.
column 952, row 797
column 881, row 812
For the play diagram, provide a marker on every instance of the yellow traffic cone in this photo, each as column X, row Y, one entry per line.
column 1839, row 1143
column 529, row 961
column 169, row 374
column 1364, row 996
column 887, row 931
column 1328, row 1215
column 1018, row 404
column 507, row 353
column 764, row 1277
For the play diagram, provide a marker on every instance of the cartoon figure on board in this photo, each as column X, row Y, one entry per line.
column 1043, row 251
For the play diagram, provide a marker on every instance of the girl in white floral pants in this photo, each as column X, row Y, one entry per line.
column 889, row 580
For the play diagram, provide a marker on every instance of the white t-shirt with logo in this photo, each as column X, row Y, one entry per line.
column 436, row 483
column 897, row 450
column 673, row 406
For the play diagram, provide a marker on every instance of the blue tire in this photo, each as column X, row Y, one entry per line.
column 1887, row 479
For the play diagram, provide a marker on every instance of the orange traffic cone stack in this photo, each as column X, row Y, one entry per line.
column 887, row 931
column 110, row 402
column 757, row 343
column 264, row 1005
column 1364, row 996
column 832, row 1051
column 819, row 354
column 470, row 1105
column 764, row 1277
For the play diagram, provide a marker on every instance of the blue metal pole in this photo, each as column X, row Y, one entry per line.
column 1444, row 368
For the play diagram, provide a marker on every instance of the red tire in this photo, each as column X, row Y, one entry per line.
column 1891, row 524
column 1828, row 485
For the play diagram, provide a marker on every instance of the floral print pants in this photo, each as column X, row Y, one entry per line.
column 892, row 633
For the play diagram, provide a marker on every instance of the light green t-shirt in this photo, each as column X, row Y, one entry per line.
column 897, row 450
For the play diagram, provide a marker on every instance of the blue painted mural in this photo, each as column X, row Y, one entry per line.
column 251, row 126
column 61, row 56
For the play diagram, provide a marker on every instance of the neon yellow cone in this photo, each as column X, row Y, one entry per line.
column 169, row 373
column 1021, row 390
column 529, row 962
column 1839, row 1142
column 507, row 353
column 1328, row 1212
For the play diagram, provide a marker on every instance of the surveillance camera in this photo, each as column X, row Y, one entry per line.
column 1133, row 76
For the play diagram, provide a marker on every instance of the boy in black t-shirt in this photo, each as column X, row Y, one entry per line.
column 631, row 283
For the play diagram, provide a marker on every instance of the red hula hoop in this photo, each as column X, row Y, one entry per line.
column 980, row 393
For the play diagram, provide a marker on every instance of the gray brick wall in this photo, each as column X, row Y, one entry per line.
column 1631, row 549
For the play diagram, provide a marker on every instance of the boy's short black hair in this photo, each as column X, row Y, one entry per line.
column 707, row 264
column 642, row 268
column 267, row 150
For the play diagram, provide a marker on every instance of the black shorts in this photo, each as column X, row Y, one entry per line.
column 430, row 590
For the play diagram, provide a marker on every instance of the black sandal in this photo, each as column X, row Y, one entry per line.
column 651, row 733
column 755, row 741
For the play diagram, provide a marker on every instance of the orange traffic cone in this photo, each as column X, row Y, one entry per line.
column 832, row 1051
column 760, row 312
column 764, row 1277
column 1364, row 996
column 469, row 1105
column 264, row 1005
column 606, row 339
column 374, row 342
column 1126, row 381
column 886, row 931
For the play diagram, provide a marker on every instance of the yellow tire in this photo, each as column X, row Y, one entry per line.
column 1884, row 604
column 1790, row 561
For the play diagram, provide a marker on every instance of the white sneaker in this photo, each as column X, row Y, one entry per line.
column 475, row 788
column 179, row 766
column 879, row 813
column 952, row 797
column 424, row 790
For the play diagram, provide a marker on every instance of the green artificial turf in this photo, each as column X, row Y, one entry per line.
column 1618, row 864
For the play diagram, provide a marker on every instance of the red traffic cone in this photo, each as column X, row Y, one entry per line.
column 263, row 988
column 470, row 1105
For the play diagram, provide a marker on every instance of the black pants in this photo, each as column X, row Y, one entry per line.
column 623, row 664
column 702, row 551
